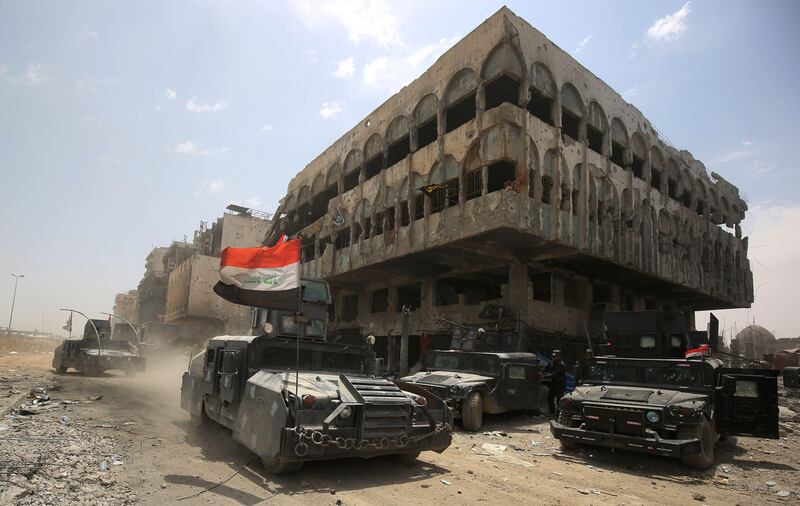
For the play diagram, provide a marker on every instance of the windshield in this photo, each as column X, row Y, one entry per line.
column 464, row 362
column 315, row 328
column 675, row 374
column 285, row 358
column 315, row 291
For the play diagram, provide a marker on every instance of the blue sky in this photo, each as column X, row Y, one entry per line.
column 124, row 125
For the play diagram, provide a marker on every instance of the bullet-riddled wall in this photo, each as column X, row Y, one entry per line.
column 549, row 195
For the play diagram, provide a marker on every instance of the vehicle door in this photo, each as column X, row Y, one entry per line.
column 229, row 370
column 747, row 402
column 519, row 386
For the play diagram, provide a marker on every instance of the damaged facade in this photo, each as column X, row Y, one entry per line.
column 190, row 299
column 557, row 200
column 125, row 305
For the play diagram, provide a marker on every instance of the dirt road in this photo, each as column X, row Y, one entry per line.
column 516, row 460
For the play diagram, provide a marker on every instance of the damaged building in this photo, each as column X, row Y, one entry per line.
column 548, row 195
column 190, row 299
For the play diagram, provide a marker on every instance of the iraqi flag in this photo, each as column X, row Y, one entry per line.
column 261, row 277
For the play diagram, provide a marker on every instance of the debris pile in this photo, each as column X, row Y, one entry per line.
column 50, row 456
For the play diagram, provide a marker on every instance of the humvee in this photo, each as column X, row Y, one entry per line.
column 96, row 352
column 473, row 383
column 671, row 407
column 291, row 397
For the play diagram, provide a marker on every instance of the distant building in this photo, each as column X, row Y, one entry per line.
column 753, row 342
column 152, row 291
column 190, row 299
column 125, row 305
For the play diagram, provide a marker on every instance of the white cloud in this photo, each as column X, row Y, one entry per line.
column 253, row 202
column 630, row 93
column 583, row 43
column 89, row 119
column 345, row 68
column 109, row 160
column 670, row 27
column 35, row 74
column 94, row 84
column 193, row 106
column 312, row 55
column 3, row 69
column 87, row 34
column 266, row 128
column 374, row 21
column 773, row 246
column 747, row 143
column 392, row 72
column 170, row 94
column 213, row 185
column 632, row 50
column 330, row 110
column 193, row 149
column 731, row 156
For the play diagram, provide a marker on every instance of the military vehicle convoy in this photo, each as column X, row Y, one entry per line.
column 474, row 383
column 675, row 407
column 96, row 352
column 291, row 397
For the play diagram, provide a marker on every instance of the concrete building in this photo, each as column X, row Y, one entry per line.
column 152, row 290
column 125, row 305
column 190, row 300
column 549, row 195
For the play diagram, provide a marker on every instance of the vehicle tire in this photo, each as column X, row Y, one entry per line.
column 705, row 433
column 282, row 467
column 542, row 405
column 565, row 419
column 472, row 412
column 407, row 458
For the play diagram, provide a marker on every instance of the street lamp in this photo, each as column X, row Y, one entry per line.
column 14, row 300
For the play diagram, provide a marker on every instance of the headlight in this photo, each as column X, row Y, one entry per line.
column 346, row 412
column 455, row 389
column 653, row 416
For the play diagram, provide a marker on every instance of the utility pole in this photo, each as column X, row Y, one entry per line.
column 14, row 300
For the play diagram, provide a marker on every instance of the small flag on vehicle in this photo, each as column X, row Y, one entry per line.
column 68, row 326
column 700, row 351
column 266, row 277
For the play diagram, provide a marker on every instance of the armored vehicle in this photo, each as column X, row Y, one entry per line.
column 474, row 383
column 671, row 407
column 96, row 352
column 290, row 397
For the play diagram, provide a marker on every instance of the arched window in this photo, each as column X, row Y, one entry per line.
column 549, row 169
column 425, row 123
column 389, row 200
column 672, row 179
column 502, row 72
column 700, row 205
column 639, row 155
column 417, row 183
column 351, row 170
column 571, row 112
column 619, row 143
column 445, row 176
column 405, row 210
column 656, row 168
column 319, row 204
column 543, row 93
column 596, row 127
column 459, row 99
column 373, row 157
column 398, row 141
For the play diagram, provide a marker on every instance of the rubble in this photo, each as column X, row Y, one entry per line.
column 56, row 457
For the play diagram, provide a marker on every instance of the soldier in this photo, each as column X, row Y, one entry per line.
column 558, row 381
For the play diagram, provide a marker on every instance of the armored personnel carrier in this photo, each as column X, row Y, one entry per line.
column 649, row 397
column 291, row 397
column 96, row 352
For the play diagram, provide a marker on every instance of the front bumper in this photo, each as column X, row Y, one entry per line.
column 652, row 445
column 295, row 448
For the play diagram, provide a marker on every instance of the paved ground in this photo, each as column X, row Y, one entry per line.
column 165, row 460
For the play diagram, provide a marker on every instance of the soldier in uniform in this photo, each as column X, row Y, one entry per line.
column 558, row 381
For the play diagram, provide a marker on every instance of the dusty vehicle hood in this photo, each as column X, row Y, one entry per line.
column 324, row 386
column 639, row 395
column 447, row 378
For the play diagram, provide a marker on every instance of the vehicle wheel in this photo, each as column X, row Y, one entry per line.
column 705, row 433
column 282, row 468
column 472, row 412
column 407, row 458
column 565, row 419
column 541, row 403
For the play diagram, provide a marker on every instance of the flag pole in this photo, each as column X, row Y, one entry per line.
column 300, row 333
